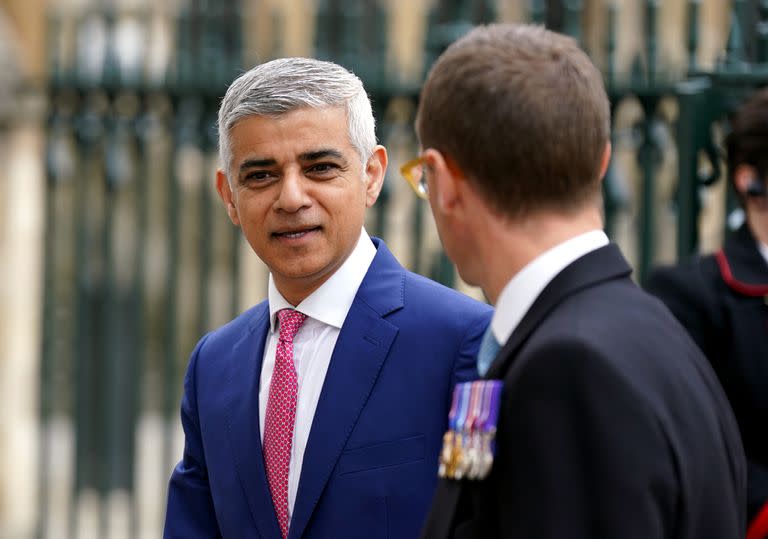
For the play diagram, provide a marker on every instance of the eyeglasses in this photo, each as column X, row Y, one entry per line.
column 413, row 172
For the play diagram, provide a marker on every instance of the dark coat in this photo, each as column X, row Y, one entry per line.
column 612, row 424
column 729, row 321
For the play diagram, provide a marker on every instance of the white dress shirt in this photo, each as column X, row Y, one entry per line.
column 520, row 292
column 326, row 309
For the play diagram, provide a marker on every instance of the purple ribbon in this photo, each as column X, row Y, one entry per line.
column 466, row 389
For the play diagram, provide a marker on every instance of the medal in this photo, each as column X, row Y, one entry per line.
column 490, row 417
column 446, row 455
column 470, row 431
column 469, row 443
column 461, row 442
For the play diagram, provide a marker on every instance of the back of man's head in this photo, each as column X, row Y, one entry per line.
column 286, row 84
column 524, row 114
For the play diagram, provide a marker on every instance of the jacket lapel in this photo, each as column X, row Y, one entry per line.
column 243, row 424
column 600, row 265
column 747, row 264
column 360, row 352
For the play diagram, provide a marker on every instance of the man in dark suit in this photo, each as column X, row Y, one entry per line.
column 611, row 423
column 722, row 299
column 318, row 413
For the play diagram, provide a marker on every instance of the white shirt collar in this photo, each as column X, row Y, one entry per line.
column 763, row 248
column 331, row 302
column 520, row 293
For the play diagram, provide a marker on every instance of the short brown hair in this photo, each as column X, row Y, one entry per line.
column 523, row 112
column 747, row 141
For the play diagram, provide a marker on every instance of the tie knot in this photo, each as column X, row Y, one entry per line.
column 290, row 322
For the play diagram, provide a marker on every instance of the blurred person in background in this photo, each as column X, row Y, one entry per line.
column 722, row 299
column 610, row 422
column 318, row 413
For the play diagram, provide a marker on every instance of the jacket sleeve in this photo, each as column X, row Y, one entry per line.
column 190, row 511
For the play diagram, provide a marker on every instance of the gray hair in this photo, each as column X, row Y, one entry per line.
column 286, row 84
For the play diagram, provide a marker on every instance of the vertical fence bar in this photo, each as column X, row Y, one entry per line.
column 762, row 32
column 691, row 96
column 120, row 349
column 610, row 46
column 325, row 30
column 170, row 356
column 417, row 235
column 572, row 17
column 648, row 158
column 89, row 319
column 206, row 226
column 143, row 127
column 651, row 39
column 610, row 182
column 648, row 152
column 693, row 35
column 537, row 11
column 612, row 194
column 55, row 128
column 442, row 270
column 206, row 231
column 735, row 54
column 107, row 352
column 235, row 55
column 350, row 17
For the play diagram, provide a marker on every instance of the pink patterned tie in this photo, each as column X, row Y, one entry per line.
column 281, row 415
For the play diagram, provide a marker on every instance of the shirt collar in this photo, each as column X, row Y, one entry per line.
column 331, row 302
column 763, row 248
column 520, row 292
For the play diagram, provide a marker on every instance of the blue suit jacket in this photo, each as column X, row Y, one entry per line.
column 370, row 464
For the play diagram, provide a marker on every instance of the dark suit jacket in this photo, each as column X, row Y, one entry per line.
column 730, row 324
column 612, row 424
column 370, row 463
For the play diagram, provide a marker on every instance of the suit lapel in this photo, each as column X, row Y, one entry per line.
column 597, row 266
column 360, row 352
column 244, row 433
column 746, row 262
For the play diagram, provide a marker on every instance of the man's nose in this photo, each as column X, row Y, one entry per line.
column 293, row 194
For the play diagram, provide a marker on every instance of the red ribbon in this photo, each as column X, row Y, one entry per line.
column 754, row 290
column 759, row 527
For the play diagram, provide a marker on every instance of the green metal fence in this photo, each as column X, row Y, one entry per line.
column 141, row 261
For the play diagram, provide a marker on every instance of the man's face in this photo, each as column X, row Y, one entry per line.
column 299, row 193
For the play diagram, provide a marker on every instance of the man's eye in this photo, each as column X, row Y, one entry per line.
column 258, row 176
column 322, row 168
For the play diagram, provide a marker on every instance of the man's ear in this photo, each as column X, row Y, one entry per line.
column 605, row 160
column 225, row 193
column 444, row 180
column 375, row 171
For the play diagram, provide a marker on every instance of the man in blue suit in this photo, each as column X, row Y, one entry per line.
column 320, row 412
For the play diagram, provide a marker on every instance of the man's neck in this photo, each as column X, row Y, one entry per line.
column 509, row 246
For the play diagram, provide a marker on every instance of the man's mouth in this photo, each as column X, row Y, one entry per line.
column 296, row 233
